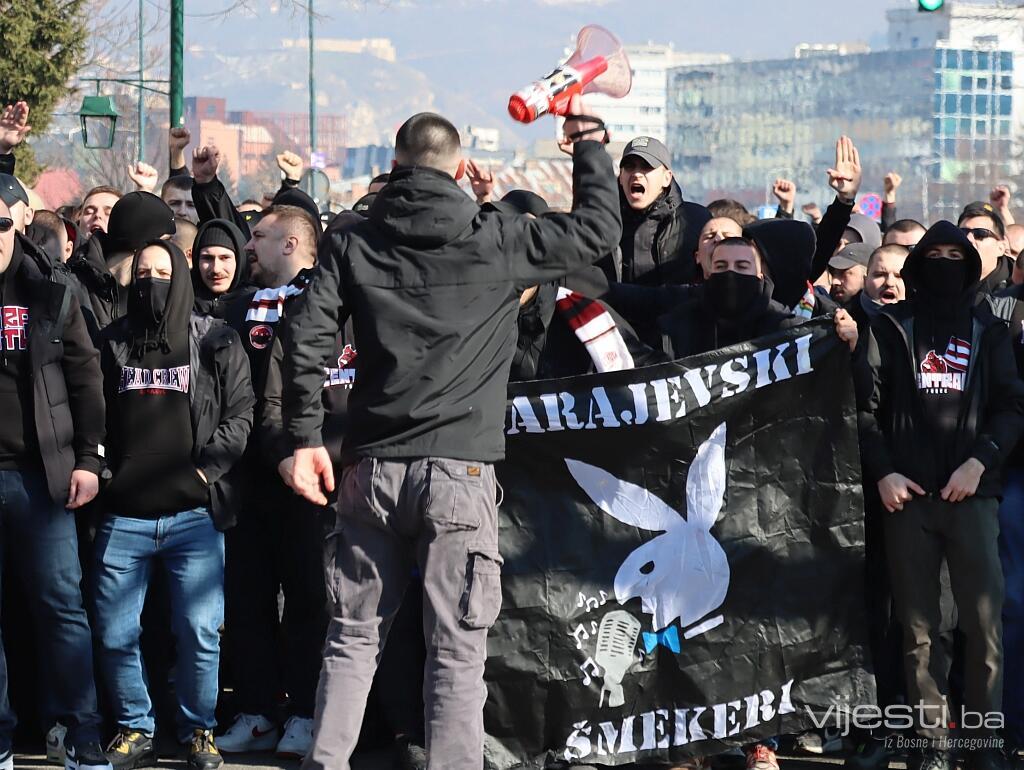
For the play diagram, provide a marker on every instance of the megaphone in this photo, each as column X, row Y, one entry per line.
column 599, row 65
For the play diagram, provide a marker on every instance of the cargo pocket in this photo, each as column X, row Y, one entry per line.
column 332, row 576
column 481, row 600
column 456, row 494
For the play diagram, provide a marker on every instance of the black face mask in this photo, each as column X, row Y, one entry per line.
column 942, row 278
column 151, row 296
column 731, row 294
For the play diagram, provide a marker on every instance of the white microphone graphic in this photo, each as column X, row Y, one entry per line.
column 616, row 639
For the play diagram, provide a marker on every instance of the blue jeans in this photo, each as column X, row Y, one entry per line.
column 39, row 540
column 191, row 553
column 1011, row 554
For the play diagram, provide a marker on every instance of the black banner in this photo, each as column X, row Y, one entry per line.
column 683, row 552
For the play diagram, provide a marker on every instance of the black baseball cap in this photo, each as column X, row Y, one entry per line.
column 982, row 209
column 852, row 255
column 11, row 191
column 649, row 149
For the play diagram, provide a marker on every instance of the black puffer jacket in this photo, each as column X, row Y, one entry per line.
column 652, row 244
column 103, row 300
column 432, row 284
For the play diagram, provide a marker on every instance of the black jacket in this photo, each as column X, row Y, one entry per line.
column 893, row 430
column 67, row 387
column 432, row 283
column 103, row 300
column 547, row 348
column 652, row 247
column 221, row 403
column 829, row 233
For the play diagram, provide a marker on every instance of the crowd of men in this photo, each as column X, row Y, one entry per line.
column 209, row 406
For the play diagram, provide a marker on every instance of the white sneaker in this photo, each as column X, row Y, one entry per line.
column 250, row 732
column 7, row 760
column 297, row 740
column 55, row 754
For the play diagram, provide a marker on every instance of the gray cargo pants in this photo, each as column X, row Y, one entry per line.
column 916, row 540
column 394, row 515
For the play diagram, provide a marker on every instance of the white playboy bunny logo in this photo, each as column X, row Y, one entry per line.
column 684, row 572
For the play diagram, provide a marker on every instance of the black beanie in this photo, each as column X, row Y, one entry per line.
column 136, row 219
column 218, row 232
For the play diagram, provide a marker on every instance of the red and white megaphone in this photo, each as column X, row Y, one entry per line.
column 599, row 65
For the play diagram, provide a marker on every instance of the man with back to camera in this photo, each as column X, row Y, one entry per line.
column 433, row 285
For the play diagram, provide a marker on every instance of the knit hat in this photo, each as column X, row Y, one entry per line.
column 135, row 220
column 218, row 232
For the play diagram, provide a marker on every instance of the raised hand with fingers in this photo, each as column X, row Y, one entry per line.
column 143, row 175
column 481, row 180
column 14, row 126
column 785, row 191
column 1000, row 200
column 890, row 185
column 290, row 165
column 178, row 138
column 205, row 161
column 845, row 176
column 813, row 211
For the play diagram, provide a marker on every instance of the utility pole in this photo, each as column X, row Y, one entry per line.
column 177, row 63
column 142, row 76
column 312, row 86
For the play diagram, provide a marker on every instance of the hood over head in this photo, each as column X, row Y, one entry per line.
column 136, row 219
column 942, row 233
column 172, row 329
column 787, row 248
column 422, row 207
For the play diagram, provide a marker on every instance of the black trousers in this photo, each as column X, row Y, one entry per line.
column 275, row 548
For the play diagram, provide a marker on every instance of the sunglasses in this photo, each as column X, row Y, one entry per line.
column 979, row 233
column 6, row 223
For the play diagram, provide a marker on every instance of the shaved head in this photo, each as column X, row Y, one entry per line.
column 427, row 139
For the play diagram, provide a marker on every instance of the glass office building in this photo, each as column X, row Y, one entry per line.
column 942, row 117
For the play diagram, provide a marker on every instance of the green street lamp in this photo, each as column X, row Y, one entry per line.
column 928, row 6
column 99, row 118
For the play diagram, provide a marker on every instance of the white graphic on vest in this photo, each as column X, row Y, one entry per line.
column 175, row 378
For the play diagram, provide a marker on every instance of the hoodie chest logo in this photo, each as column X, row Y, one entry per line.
column 345, row 375
column 260, row 336
column 940, row 374
column 154, row 381
column 15, row 325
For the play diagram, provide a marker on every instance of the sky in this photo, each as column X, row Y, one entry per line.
column 486, row 49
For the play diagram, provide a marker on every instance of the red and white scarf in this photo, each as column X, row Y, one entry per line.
column 596, row 329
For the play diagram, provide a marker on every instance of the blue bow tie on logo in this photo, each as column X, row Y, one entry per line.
column 669, row 638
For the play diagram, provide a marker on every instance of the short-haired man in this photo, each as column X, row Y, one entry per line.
column 986, row 231
column 50, row 233
column 51, row 397
column 268, row 551
column 184, row 236
column 94, row 212
column 945, row 413
column 433, row 285
column 176, row 192
column 716, row 230
column 903, row 232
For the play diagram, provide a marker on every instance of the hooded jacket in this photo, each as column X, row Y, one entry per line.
column 652, row 245
column 148, row 477
column 61, row 398
column 220, row 305
column 894, row 429
column 104, row 301
column 432, row 283
column 787, row 247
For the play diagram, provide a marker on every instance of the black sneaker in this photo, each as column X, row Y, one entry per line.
column 203, row 753
column 931, row 759
column 131, row 749
column 872, row 754
column 85, row 756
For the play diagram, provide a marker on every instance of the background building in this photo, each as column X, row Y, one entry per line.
column 643, row 112
column 942, row 107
